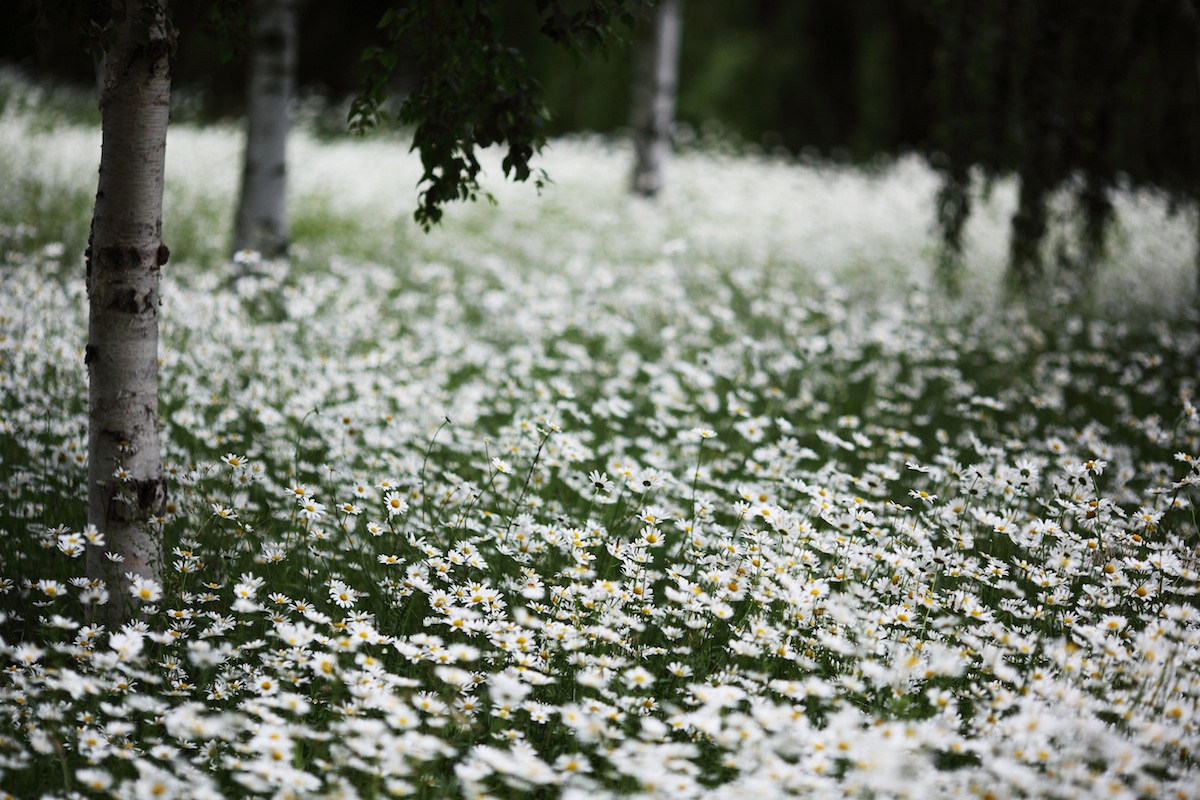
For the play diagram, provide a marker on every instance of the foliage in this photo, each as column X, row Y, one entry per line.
column 228, row 23
column 471, row 89
column 87, row 20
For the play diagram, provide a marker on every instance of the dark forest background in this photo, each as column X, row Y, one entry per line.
column 1086, row 95
column 845, row 80
column 851, row 80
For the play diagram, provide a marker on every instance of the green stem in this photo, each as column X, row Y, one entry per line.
column 424, row 464
column 512, row 519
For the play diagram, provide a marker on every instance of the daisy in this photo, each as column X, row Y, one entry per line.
column 395, row 504
column 600, row 481
column 310, row 509
column 144, row 589
column 342, row 595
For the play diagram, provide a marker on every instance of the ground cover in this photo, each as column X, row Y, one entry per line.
column 584, row 496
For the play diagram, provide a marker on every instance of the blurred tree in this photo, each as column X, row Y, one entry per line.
column 261, row 220
column 657, row 75
column 961, row 122
column 1072, row 95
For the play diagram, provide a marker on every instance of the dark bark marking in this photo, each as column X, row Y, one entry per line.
column 87, row 253
column 124, row 301
column 137, row 500
column 129, row 301
column 159, row 50
column 164, row 253
column 119, row 257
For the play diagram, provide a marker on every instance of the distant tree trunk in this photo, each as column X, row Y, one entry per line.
column 262, row 207
column 1192, row 15
column 124, row 259
column 953, row 211
column 657, row 77
column 1040, row 168
column 1095, row 201
column 1028, row 227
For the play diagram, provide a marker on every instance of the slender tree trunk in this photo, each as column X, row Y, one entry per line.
column 262, row 208
column 1192, row 14
column 1029, row 223
column 953, row 211
column 124, row 259
column 1040, row 139
column 654, row 98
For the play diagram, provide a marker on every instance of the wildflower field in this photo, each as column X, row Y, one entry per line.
column 583, row 496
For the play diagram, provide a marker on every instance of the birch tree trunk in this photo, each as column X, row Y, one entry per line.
column 262, row 207
column 124, row 258
column 654, row 98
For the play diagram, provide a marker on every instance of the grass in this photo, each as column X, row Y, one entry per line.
column 581, row 496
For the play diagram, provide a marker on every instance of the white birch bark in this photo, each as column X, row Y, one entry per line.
column 262, row 206
column 124, row 259
column 654, row 99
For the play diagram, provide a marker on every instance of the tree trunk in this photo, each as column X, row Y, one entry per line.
column 1040, row 168
column 124, row 258
column 262, row 207
column 654, row 98
column 1028, row 226
column 1198, row 255
column 953, row 211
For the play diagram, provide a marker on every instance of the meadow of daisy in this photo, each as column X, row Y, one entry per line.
column 582, row 496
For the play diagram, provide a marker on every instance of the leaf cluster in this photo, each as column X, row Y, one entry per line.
column 96, row 21
column 84, row 18
column 588, row 24
column 471, row 90
column 228, row 24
